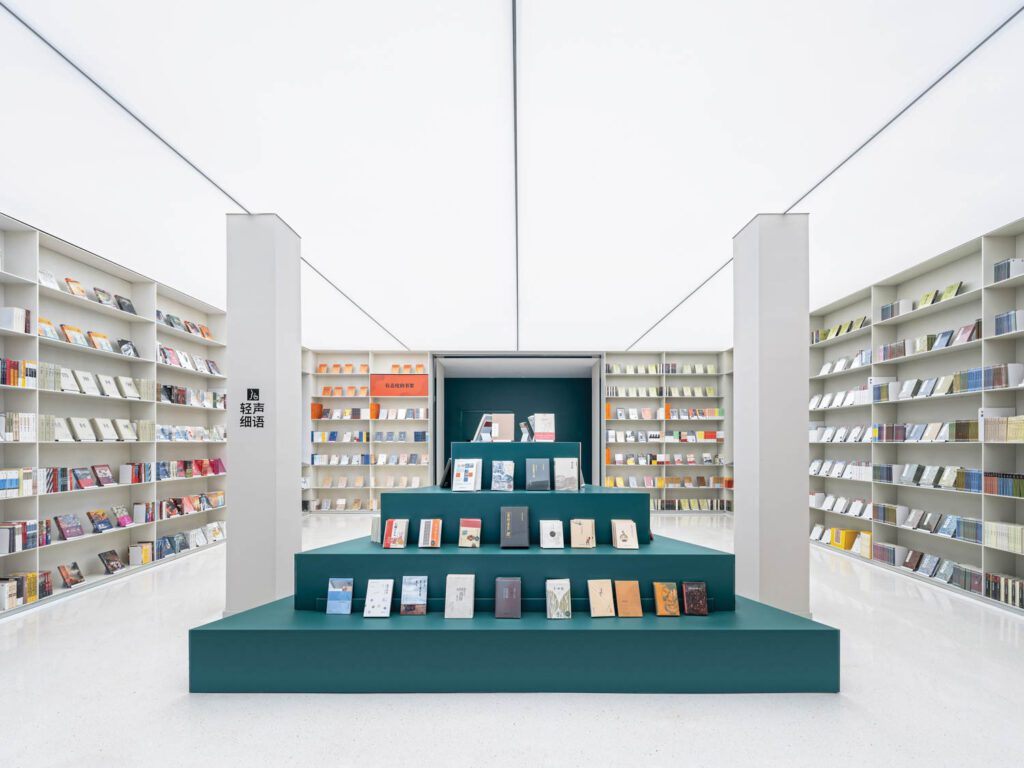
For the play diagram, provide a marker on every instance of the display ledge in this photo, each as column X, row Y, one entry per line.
column 190, row 442
column 190, row 372
column 866, row 520
column 94, row 489
column 342, row 466
column 96, row 442
column 1005, row 336
column 85, row 395
column 1011, row 282
column 186, row 336
column 930, row 398
column 88, row 536
column 967, row 297
column 840, row 408
column 703, row 418
column 1003, row 551
column 931, row 442
column 699, row 464
column 411, row 418
column 636, row 375
column 842, row 337
column 959, row 491
column 862, row 369
column 340, row 397
column 274, row 649
column 398, row 442
column 9, row 278
column 45, row 292
column 966, row 346
column 66, row 345
column 634, row 397
column 15, row 333
column 339, row 375
column 98, row 579
column 843, row 479
column 694, row 397
column 696, row 375
column 186, row 406
column 844, row 442
column 351, row 420
column 691, row 488
column 636, row 420
column 925, row 579
column 183, row 479
column 921, row 532
column 13, row 388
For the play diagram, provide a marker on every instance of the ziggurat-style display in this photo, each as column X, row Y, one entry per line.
column 495, row 615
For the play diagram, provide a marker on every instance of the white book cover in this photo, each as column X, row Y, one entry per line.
column 67, row 381
column 551, row 534
column 87, row 383
column 466, row 474
column 107, row 385
column 502, row 474
column 543, row 427
column 458, row 595
column 624, row 534
column 104, row 429
column 81, row 429
column 559, row 599
column 567, row 474
column 378, row 598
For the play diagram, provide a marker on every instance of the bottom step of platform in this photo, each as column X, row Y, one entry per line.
column 276, row 649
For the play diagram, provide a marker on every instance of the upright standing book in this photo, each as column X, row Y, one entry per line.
column 502, row 474
column 508, row 591
column 666, row 598
column 469, row 532
column 567, row 474
column 339, row 596
column 430, row 533
column 458, row 596
column 624, row 534
column 395, row 532
column 582, row 534
column 414, row 596
column 551, row 534
column 515, row 527
column 559, row 599
column 602, row 603
column 695, row 598
column 627, row 599
column 538, row 475
column 466, row 474
column 378, row 598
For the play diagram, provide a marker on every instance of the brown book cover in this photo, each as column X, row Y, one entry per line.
column 508, row 591
column 601, row 601
column 627, row 599
column 913, row 560
column 695, row 598
column 666, row 598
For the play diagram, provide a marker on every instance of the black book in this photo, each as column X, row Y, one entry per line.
column 127, row 348
column 515, row 527
column 508, row 593
column 538, row 475
column 125, row 304
column 446, row 478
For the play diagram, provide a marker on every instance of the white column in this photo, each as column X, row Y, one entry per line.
column 770, row 363
column 264, row 354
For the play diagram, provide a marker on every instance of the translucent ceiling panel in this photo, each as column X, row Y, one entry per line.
column 652, row 131
column 74, row 165
column 949, row 170
column 382, row 132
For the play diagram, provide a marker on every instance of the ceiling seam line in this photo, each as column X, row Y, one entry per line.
column 849, row 157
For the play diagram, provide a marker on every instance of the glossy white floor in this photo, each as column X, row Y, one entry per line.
column 929, row 678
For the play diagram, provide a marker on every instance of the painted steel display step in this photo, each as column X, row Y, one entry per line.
column 276, row 649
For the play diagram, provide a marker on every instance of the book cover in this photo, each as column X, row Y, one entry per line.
column 378, row 598
column 559, row 599
column 430, row 533
column 69, row 526
column 624, row 534
column 627, row 599
column 508, row 592
column 458, row 596
column 666, row 598
column 582, row 534
column 75, row 288
column 551, row 534
column 469, row 532
column 395, row 532
column 515, row 527
column 502, row 474
column 695, row 598
column 111, row 561
column 125, row 304
column 100, row 521
column 83, row 477
column 602, row 603
column 543, row 425
column 538, row 475
column 71, row 574
column 567, row 474
column 414, row 596
column 466, row 474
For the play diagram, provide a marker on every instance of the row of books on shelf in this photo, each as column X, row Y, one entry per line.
column 188, row 326
column 346, row 482
column 900, row 516
column 348, row 369
column 672, row 436
column 658, row 414
column 655, row 459
column 72, row 334
column 930, row 342
column 31, row 481
column 1010, row 484
column 656, row 369
column 467, row 474
column 53, row 377
column 400, row 436
column 959, row 431
column 707, row 391
column 17, row 427
column 26, row 587
column 368, row 459
column 1009, row 322
column 199, row 398
column 460, row 597
column 934, row 296
column 100, row 295
column 1007, row 268
column 374, row 412
column 191, row 434
column 1008, row 537
column 70, row 429
column 515, row 532
column 16, row 319
column 181, row 359
column 843, row 399
column 977, row 379
column 691, row 505
column 839, row 329
column 349, row 391
column 859, row 359
column 19, row 373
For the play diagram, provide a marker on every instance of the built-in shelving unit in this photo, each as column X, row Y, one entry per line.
column 24, row 251
column 341, row 381
column 982, row 548
column 656, row 399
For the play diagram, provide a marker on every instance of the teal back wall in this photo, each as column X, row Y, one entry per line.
column 465, row 400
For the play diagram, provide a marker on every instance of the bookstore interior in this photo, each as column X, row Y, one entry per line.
column 431, row 426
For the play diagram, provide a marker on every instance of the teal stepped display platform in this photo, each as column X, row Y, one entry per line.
column 293, row 646
column 515, row 452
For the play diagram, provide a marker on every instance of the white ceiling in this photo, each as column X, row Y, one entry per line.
column 382, row 132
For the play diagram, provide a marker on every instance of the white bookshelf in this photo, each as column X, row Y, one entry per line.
column 978, row 298
column 666, row 481
column 363, row 482
column 23, row 252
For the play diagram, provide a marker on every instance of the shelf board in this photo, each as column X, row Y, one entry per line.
column 12, row 388
column 925, row 533
column 864, row 370
column 179, row 334
column 184, row 479
column 185, row 406
column 909, row 400
column 843, row 337
column 1013, row 282
column 86, row 536
column 45, row 292
column 190, row 442
column 966, row 346
column 107, row 398
column 190, row 372
column 9, row 278
column 340, row 397
column 1006, row 336
column 15, row 334
column 960, row 299
column 634, row 397
column 81, row 443
column 94, row 489
column 67, row 345
column 841, row 479
column 337, row 375
column 840, row 408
